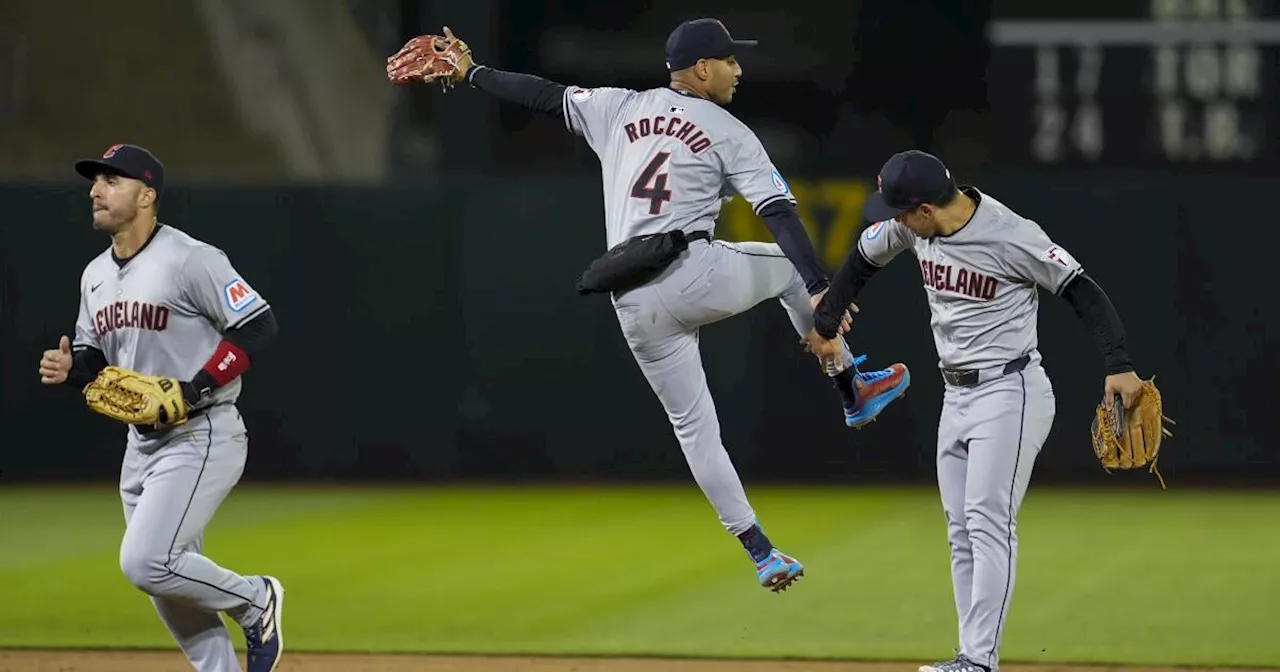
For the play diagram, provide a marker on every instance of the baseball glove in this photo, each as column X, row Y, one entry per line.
column 136, row 399
column 1131, row 439
column 429, row 58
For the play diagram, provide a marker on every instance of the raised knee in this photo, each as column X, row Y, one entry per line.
column 146, row 571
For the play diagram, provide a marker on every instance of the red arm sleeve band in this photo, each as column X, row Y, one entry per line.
column 227, row 363
column 233, row 355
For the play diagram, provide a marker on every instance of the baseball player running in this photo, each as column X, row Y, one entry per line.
column 160, row 303
column 670, row 158
column 981, row 263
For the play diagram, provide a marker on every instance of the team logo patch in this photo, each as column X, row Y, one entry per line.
column 111, row 151
column 874, row 230
column 239, row 295
column 581, row 94
column 1058, row 255
column 779, row 183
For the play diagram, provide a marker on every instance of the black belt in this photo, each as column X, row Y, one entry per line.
column 148, row 431
column 969, row 377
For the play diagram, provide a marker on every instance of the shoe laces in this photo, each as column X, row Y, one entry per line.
column 253, row 636
column 960, row 664
column 869, row 376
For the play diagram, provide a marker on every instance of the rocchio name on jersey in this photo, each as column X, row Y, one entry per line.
column 684, row 131
column 130, row 315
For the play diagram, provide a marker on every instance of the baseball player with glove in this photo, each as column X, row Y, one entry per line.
column 165, row 330
column 670, row 157
column 982, row 266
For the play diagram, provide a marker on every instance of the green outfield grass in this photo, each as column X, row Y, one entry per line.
column 1157, row 577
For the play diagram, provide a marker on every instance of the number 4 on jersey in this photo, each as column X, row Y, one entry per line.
column 658, row 193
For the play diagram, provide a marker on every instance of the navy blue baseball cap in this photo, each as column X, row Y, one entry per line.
column 906, row 180
column 129, row 161
column 701, row 38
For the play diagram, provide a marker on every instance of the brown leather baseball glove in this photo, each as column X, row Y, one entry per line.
column 1131, row 439
column 136, row 399
column 430, row 58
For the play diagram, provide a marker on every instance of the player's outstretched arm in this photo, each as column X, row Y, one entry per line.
column 448, row 60
column 528, row 91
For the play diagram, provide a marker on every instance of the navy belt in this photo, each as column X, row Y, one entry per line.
column 971, row 377
column 148, row 431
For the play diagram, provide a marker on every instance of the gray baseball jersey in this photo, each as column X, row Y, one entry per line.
column 982, row 285
column 669, row 160
column 981, row 281
column 164, row 311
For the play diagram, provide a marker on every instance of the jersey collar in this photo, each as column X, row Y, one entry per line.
column 686, row 94
column 121, row 262
column 971, row 192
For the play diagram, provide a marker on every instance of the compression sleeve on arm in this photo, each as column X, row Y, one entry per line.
column 1099, row 315
column 789, row 232
column 86, row 363
column 234, row 354
column 529, row 91
column 849, row 281
column 253, row 336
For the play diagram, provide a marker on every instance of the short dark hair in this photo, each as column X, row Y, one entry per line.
column 945, row 199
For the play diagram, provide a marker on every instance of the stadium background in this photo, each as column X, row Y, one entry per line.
column 420, row 248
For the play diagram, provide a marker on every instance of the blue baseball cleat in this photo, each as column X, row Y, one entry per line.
column 778, row 571
column 264, row 640
column 875, row 390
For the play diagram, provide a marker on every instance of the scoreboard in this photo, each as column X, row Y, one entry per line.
column 1141, row 84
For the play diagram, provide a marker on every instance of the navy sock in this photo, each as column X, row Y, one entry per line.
column 757, row 544
column 843, row 382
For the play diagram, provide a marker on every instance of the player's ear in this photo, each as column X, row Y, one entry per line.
column 148, row 196
column 703, row 68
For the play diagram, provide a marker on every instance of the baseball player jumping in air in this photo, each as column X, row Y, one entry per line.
column 165, row 330
column 981, row 264
column 670, row 157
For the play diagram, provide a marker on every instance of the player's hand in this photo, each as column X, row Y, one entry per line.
column 828, row 350
column 816, row 299
column 1127, row 385
column 464, row 63
column 56, row 364
column 846, row 320
column 430, row 59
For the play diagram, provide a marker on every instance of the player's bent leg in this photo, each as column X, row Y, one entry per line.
column 1012, row 418
column 757, row 271
column 673, row 368
column 201, row 635
column 185, row 482
column 668, row 356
